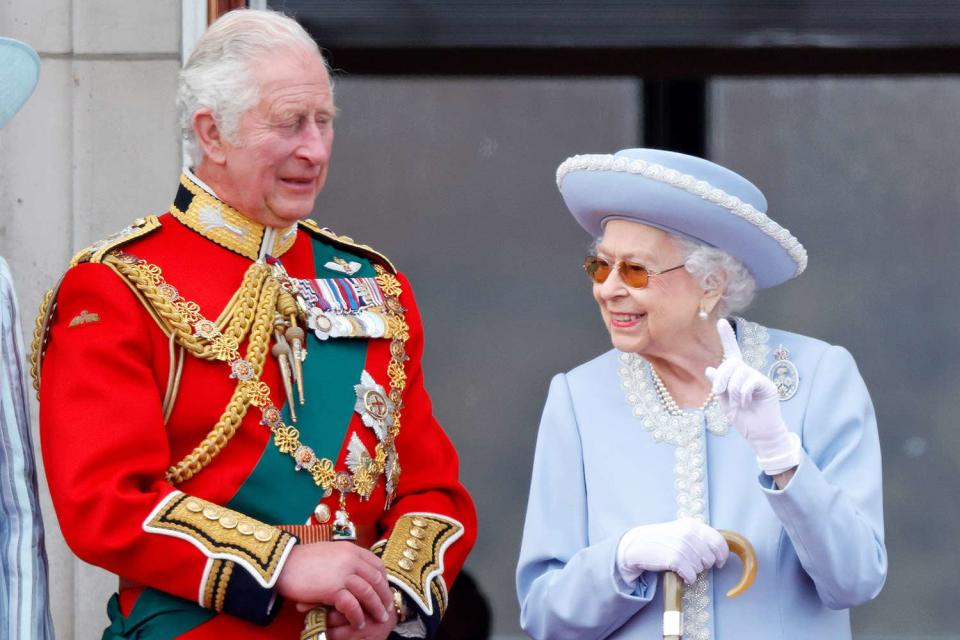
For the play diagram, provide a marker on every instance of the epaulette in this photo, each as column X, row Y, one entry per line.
column 95, row 252
column 347, row 243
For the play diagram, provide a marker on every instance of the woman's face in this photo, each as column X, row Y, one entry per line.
column 658, row 319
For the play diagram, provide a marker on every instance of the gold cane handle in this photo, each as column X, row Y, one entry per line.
column 744, row 550
column 315, row 625
column 673, row 585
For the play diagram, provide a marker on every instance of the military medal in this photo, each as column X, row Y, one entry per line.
column 784, row 374
column 345, row 307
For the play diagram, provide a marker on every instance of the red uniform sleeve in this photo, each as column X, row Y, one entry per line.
column 106, row 452
column 432, row 523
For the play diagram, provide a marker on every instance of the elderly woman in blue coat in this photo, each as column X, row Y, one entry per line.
column 697, row 420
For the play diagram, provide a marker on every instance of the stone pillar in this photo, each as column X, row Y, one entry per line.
column 95, row 147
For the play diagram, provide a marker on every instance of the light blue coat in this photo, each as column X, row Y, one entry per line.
column 600, row 471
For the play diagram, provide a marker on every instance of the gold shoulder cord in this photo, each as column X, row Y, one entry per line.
column 93, row 253
column 252, row 313
column 41, row 335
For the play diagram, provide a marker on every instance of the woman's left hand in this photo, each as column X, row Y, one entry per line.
column 751, row 403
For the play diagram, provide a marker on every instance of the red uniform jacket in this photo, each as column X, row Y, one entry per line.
column 121, row 402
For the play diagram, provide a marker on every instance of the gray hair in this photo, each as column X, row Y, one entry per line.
column 711, row 267
column 218, row 76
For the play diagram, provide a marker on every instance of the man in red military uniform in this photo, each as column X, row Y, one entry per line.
column 232, row 409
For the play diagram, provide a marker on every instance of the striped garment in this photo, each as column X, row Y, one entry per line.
column 24, row 605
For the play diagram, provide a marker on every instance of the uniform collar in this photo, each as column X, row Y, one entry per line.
column 199, row 208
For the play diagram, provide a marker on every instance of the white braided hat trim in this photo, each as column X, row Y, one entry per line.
column 700, row 188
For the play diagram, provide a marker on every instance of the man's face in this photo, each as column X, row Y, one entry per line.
column 283, row 144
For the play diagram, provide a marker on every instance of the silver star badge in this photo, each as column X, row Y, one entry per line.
column 373, row 405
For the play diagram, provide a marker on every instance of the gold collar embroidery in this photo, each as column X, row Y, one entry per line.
column 221, row 223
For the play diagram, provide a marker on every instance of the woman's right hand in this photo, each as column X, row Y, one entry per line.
column 685, row 546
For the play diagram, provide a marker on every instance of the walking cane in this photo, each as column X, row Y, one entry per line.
column 673, row 585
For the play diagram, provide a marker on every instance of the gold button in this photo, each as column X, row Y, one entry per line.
column 419, row 522
column 409, row 554
column 417, row 532
column 211, row 514
column 194, row 506
column 405, row 564
column 228, row 522
column 413, row 543
column 322, row 513
column 245, row 528
column 263, row 534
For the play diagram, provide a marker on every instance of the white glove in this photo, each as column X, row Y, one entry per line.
column 684, row 546
column 751, row 403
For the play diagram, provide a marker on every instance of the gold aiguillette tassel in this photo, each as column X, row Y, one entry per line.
column 279, row 328
column 287, row 306
column 281, row 351
column 294, row 335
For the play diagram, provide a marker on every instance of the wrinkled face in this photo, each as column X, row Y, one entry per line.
column 657, row 319
column 283, row 144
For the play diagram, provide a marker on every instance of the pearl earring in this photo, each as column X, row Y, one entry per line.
column 702, row 314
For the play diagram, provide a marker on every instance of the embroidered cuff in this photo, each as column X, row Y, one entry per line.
column 413, row 557
column 229, row 589
column 221, row 534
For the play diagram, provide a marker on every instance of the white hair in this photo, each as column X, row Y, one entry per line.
column 218, row 75
column 713, row 268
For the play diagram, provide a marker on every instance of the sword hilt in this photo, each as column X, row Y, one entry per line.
column 315, row 625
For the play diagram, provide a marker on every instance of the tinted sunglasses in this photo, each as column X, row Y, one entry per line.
column 634, row 275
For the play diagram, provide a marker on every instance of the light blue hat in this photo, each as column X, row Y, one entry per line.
column 684, row 195
column 19, row 72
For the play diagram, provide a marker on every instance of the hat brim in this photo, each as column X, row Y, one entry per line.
column 19, row 73
column 596, row 196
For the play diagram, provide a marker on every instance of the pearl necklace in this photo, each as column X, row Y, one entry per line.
column 668, row 402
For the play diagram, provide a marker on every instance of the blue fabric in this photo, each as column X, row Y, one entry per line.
column 598, row 473
column 19, row 72
column 596, row 196
column 24, row 603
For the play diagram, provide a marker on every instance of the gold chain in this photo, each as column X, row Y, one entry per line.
column 363, row 480
column 182, row 316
